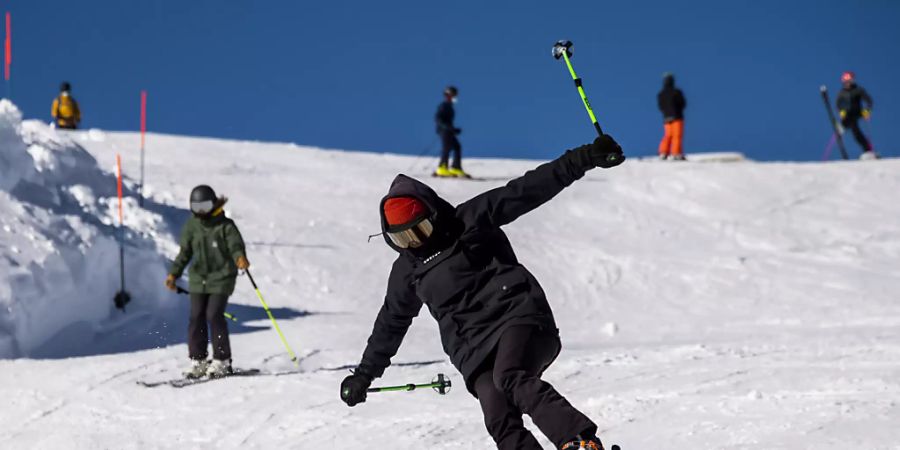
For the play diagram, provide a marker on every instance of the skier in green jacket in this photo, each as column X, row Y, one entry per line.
column 215, row 245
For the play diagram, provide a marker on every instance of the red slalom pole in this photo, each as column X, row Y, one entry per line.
column 143, row 134
column 7, row 60
column 119, row 186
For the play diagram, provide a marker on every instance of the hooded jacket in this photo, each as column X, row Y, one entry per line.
column 671, row 101
column 468, row 275
column 214, row 244
column 443, row 118
column 851, row 99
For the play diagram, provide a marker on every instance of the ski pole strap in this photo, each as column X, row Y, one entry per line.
column 584, row 99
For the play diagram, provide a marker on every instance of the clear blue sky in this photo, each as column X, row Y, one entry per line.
column 367, row 75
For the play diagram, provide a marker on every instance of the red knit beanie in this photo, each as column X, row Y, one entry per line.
column 403, row 210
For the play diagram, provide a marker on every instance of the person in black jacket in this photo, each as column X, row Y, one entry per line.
column 850, row 107
column 443, row 120
column 495, row 322
column 671, row 103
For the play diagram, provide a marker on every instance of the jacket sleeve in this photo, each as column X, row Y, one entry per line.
column 682, row 103
column 866, row 98
column 234, row 241
column 54, row 110
column 503, row 205
column 401, row 305
column 184, row 254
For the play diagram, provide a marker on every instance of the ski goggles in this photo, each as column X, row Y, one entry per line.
column 204, row 207
column 411, row 236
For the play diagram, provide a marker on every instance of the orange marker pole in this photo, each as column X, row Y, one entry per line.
column 119, row 186
column 143, row 133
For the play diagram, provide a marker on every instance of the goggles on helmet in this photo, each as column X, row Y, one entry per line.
column 411, row 236
column 202, row 207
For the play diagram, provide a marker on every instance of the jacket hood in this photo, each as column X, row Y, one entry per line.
column 443, row 214
column 669, row 82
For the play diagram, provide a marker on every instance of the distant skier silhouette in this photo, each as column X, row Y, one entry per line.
column 448, row 131
column 65, row 111
column 671, row 103
column 850, row 107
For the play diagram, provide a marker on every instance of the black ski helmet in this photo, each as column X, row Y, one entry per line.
column 451, row 91
column 65, row 86
column 203, row 200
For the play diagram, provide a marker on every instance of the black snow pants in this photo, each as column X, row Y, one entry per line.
column 208, row 308
column 853, row 124
column 449, row 143
column 509, row 384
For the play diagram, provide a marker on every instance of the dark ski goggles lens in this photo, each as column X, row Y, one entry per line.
column 414, row 236
column 203, row 207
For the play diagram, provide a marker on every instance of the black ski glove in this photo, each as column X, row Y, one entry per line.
column 353, row 388
column 457, row 131
column 605, row 152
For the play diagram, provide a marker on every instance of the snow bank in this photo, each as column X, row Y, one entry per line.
column 59, row 254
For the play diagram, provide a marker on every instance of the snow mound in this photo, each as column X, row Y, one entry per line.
column 59, row 254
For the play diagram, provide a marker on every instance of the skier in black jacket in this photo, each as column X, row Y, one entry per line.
column 850, row 107
column 671, row 103
column 443, row 120
column 495, row 322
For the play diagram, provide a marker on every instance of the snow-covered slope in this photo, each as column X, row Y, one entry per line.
column 705, row 305
column 59, row 256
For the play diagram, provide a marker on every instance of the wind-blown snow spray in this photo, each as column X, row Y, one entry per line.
column 122, row 298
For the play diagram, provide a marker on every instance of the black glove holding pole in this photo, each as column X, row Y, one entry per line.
column 603, row 152
column 353, row 388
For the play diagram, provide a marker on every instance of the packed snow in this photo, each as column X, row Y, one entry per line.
column 709, row 305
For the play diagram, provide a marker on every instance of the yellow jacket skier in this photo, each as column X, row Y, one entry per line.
column 65, row 109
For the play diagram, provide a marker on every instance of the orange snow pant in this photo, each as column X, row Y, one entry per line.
column 671, row 141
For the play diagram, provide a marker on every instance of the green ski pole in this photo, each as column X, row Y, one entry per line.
column 441, row 385
column 184, row 291
column 563, row 49
column 272, row 318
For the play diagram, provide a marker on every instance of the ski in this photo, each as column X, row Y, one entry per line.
column 469, row 178
column 838, row 133
column 184, row 382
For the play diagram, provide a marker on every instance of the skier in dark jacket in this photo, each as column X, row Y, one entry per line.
column 850, row 107
column 216, row 247
column 495, row 322
column 449, row 142
column 671, row 103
